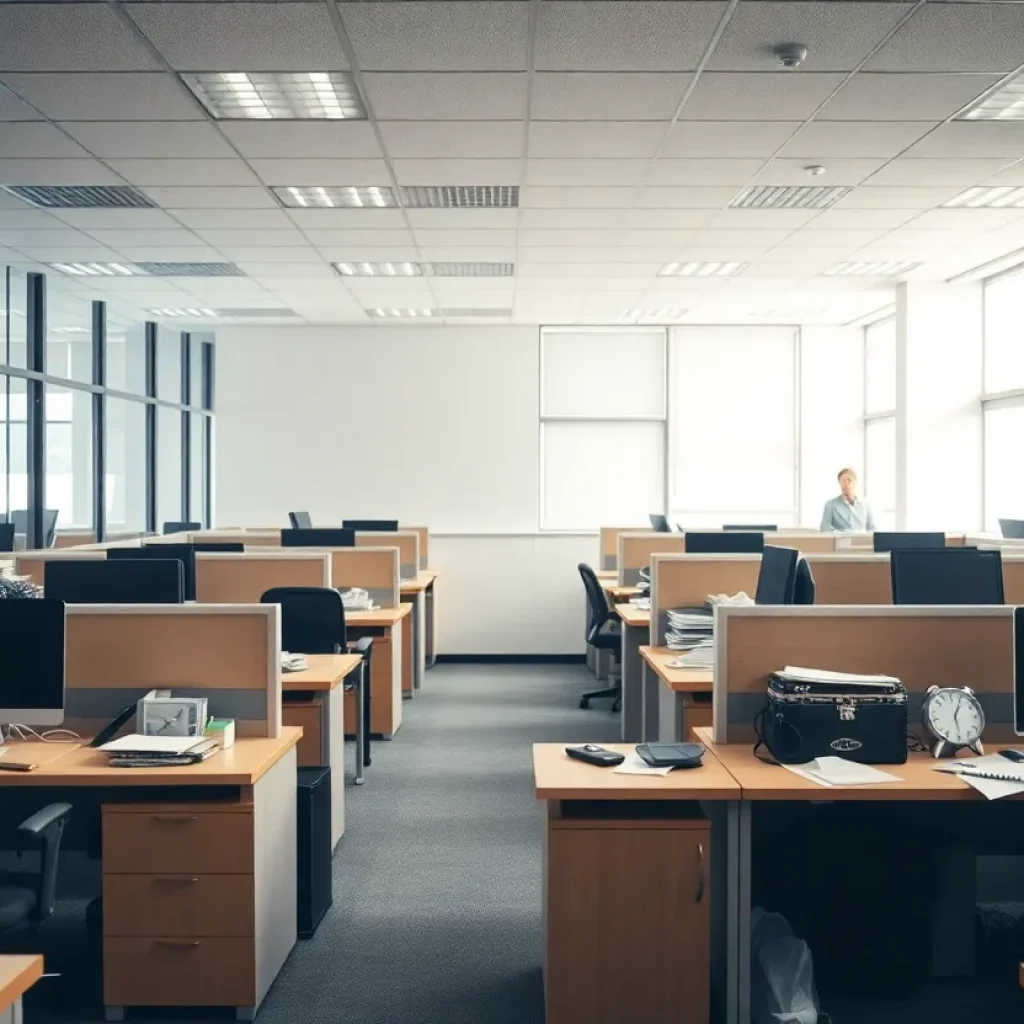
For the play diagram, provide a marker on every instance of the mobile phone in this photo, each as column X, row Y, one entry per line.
column 1012, row 755
column 593, row 754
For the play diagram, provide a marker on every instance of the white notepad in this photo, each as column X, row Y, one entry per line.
column 837, row 771
column 137, row 743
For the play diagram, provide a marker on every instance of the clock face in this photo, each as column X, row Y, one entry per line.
column 956, row 717
column 168, row 719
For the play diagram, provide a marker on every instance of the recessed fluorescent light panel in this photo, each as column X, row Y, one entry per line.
column 70, row 330
column 889, row 269
column 789, row 197
column 400, row 314
column 329, row 196
column 291, row 95
column 469, row 269
column 1005, row 103
column 98, row 269
column 352, row 269
column 999, row 197
column 190, row 269
column 190, row 312
column 654, row 314
column 79, row 197
column 460, row 197
column 682, row 269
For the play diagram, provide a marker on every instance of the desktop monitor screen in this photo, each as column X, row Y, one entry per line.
column 318, row 538
column 32, row 641
column 182, row 527
column 372, row 525
column 714, row 543
column 6, row 536
column 121, row 581
column 185, row 553
column 659, row 523
column 1018, row 671
column 300, row 521
column 946, row 576
column 752, row 527
column 1013, row 529
column 777, row 579
column 902, row 539
column 218, row 545
column 803, row 591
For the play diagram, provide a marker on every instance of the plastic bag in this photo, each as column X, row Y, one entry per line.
column 782, row 973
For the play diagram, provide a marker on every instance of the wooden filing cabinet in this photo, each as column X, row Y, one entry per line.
column 385, row 687
column 307, row 712
column 627, row 915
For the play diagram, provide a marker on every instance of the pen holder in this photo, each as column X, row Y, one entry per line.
column 222, row 730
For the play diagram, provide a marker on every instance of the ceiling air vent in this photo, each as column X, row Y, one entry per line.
column 789, row 197
column 460, row 196
column 470, row 269
column 190, row 269
column 79, row 197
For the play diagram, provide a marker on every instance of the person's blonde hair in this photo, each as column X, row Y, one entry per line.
column 844, row 471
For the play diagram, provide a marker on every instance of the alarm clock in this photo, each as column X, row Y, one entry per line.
column 955, row 717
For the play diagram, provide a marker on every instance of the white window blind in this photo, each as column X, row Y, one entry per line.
column 880, row 367
column 1004, row 333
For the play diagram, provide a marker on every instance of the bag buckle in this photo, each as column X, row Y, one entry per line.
column 846, row 710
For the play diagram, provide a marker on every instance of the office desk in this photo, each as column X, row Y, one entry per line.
column 676, row 700
column 385, row 626
column 417, row 630
column 199, row 869
column 17, row 975
column 617, row 593
column 628, row 897
column 314, row 699
column 636, row 632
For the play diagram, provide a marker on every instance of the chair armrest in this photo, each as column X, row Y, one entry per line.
column 50, row 817
column 361, row 646
column 45, row 829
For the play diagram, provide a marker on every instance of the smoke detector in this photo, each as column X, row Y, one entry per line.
column 790, row 55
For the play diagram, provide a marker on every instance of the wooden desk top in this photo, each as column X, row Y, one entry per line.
column 422, row 581
column 617, row 593
column 606, row 574
column 325, row 672
column 17, row 975
column 633, row 616
column 558, row 777
column 680, row 680
column 378, row 617
column 72, row 764
column 761, row 781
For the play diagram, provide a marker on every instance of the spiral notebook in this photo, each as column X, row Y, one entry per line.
column 993, row 776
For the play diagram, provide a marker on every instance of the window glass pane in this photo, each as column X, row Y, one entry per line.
column 68, row 332
column 880, row 470
column 197, row 473
column 168, row 466
column 1004, row 333
column 126, row 353
column 168, row 365
column 4, row 441
column 1004, row 482
column 69, row 455
column 732, row 435
column 17, row 320
column 603, row 374
column 601, row 472
column 15, row 450
column 880, row 366
column 195, row 397
column 126, row 466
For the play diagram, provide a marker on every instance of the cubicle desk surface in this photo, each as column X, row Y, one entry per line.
column 17, row 975
column 378, row 617
column 385, row 626
column 633, row 616
column 325, row 672
column 679, row 680
column 422, row 581
column 636, row 632
column 615, row 592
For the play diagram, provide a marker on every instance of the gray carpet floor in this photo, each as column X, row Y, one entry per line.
column 437, row 881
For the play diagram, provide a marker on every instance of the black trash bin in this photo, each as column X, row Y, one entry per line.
column 314, row 848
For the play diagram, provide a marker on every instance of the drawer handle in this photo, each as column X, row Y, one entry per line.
column 167, row 944
column 700, row 872
column 175, row 819
column 175, row 880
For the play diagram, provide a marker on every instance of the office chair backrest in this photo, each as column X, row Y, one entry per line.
column 300, row 521
column 803, row 589
column 19, row 519
column 597, row 600
column 6, row 536
column 312, row 619
column 182, row 527
column 659, row 523
column 1013, row 529
column 946, row 576
column 899, row 539
column 776, row 580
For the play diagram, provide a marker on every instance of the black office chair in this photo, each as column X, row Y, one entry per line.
column 313, row 622
column 189, row 527
column 27, row 897
column 602, row 633
column 6, row 536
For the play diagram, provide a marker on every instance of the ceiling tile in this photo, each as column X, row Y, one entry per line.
column 28, row 218
column 442, row 254
column 772, row 96
column 446, row 97
column 837, row 172
column 749, row 219
column 821, row 139
column 1012, row 175
column 906, row 171
column 977, row 138
column 861, row 218
column 585, row 172
column 596, row 139
column 288, row 273
column 187, row 197
column 586, row 96
column 36, row 139
column 473, row 219
column 249, row 219
column 687, row 198
column 56, row 172
column 184, row 172
column 852, row 237
column 166, row 139
column 271, row 254
column 44, row 238
column 585, row 197
column 872, row 197
column 12, row 109
column 906, row 97
column 321, row 237
column 71, row 254
column 568, row 237
column 613, row 35
column 320, row 139
column 962, row 220
column 143, row 96
column 727, row 138
column 474, row 139
column 454, row 172
column 321, row 172
column 431, row 36
column 838, row 36
column 753, row 238
column 252, row 237
column 470, row 239
column 956, row 37
column 126, row 238
column 242, row 36
column 704, row 172
column 366, row 219
column 68, row 37
column 113, row 219
column 372, row 254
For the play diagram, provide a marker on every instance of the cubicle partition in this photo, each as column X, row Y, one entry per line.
column 373, row 569
column 250, row 538
column 73, row 538
column 608, row 557
column 424, row 535
column 406, row 541
column 230, row 654
column 948, row 645
column 636, row 550
column 243, row 577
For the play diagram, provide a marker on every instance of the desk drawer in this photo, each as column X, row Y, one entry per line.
column 178, row 905
column 176, row 842
column 169, row 971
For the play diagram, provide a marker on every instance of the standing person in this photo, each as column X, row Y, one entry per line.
column 846, row 511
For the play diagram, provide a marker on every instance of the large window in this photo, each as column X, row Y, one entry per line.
column 1004, row 333
column 69, row 471
column 168, row 456
column 125, row 494
column 878, row 476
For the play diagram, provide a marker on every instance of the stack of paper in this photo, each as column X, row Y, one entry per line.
column 641, row 602
column 701, row 656
column 820, row 675
column 293, row 662
column 356, row 600
column 993, row 776
column 740, row 600
column 688, row 628
column 837, row 771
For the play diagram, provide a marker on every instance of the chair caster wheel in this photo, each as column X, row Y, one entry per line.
column 584, row 703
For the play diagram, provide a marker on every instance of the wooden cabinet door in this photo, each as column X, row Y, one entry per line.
column 628, row 925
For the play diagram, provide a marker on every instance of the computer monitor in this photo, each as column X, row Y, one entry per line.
column 716, row 542
column 19, row 519
column 102, row 581
column 1013, row 529
column 300, row 521
column 1018, row 671
column 659, row 523
column 946, row 576
column 777, row 579
column 906, row 539
column 182, row 527
column 7, row 536
column 803, row 590
column 217, row 545
column 379, row 525
column 32, row 642
column 184, row 553
column 321, row 537
column 752, row 527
